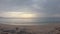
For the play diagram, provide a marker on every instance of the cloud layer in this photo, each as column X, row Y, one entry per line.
column 49, row 8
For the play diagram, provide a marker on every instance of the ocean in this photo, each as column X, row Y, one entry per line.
column 19, row 21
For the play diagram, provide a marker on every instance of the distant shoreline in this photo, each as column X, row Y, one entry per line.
column 33, row 24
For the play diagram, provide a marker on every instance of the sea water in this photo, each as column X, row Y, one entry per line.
column 19, row 21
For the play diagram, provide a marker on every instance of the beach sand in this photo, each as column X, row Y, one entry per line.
column 31, row 29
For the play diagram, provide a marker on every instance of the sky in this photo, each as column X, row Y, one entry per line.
column 29, row 9
column 43, row 8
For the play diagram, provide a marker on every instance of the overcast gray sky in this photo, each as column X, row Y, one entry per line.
column 48, row 8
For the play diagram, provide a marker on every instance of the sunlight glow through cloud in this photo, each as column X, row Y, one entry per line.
column 19, row 14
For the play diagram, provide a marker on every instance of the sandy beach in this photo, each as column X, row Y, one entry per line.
column 30, row 29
